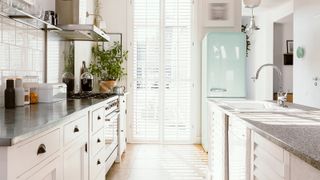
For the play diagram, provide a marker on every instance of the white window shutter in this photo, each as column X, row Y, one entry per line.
column 162, row 90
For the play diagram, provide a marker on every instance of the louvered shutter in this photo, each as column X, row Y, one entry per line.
column 177, row 70
column 162, row 83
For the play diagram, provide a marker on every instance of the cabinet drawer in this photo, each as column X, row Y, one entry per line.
column 269, row 147
column 98, row 119
column 97, row 142
column 97, row 164
column 30, row 154
column 75, row 129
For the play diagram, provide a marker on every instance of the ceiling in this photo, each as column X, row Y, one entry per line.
column 272, row 3
column 265, row 5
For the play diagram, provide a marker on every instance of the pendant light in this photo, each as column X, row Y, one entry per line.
column 252, row 25
column 251, row 3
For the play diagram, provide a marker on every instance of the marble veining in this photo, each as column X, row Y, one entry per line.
column 23, row 122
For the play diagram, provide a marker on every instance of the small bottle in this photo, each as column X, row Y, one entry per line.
column 9, row 95
column 19, row 93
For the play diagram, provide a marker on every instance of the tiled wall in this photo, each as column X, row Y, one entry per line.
column 21, row 51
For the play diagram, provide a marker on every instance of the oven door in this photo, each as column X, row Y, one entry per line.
column 111, row 136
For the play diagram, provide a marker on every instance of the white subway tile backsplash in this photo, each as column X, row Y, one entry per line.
column 8, row 31
column 21, row 35
column 4, row 57
column 32, row 39
column 16, row 58
column 21, row 51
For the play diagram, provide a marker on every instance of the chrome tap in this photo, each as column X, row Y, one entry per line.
column 282, row 97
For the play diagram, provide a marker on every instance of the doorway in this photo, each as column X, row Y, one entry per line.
column 283, row 56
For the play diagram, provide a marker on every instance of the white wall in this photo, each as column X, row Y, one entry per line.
column 114, row 13
column 306, row 34
column 282, row 33
column 262, row 51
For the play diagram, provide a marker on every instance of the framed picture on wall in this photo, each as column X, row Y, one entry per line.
column 290, row 46
column 218, row 13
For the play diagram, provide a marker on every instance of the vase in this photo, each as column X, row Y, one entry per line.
column 107, row 86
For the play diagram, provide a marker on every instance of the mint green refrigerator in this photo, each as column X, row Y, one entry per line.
column 223, row 71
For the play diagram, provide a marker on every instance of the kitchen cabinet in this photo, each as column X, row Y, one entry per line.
column 76, row 159
column 51, row 171
column 300, row 170
column 239, row 150
column 122, row 126
column 269, row 161
column 77, row 148
column 218, row 162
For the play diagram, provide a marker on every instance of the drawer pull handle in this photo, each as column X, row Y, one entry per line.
column 98, row 140
column 99, row 117
column 122, row 131
column 98, row 162
column 76, row 129
column 41, row 149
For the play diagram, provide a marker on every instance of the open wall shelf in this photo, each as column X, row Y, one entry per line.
column 67, row 32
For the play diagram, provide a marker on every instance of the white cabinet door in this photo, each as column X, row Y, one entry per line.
column 239, row 150
column 299, row 170
column 122, row 124
column 269, row 161
column 50, row 171
column 217, row 148
column 75, row 160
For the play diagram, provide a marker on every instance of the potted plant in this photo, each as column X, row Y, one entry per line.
column 107, row 65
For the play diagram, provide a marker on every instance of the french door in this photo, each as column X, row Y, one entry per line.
column 162, row 83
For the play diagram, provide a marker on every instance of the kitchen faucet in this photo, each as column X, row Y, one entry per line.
column 282, row 96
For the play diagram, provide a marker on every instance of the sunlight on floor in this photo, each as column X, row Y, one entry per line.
column 161, row 162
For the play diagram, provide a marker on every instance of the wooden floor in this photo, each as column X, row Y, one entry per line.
column 161, row 162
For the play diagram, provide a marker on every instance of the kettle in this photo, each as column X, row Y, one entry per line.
column 119, row 89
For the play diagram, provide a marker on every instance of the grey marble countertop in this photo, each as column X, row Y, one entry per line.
column 22, row 122
column 296, row 132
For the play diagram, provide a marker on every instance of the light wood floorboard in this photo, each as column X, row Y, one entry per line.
column 161, row 162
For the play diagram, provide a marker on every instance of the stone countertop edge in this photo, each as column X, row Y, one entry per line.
column 305, row 157
column 10, row 141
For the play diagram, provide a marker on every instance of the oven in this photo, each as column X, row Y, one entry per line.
column 111, row 125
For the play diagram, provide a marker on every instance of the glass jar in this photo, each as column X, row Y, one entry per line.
column 68, row 79
column 86, row 82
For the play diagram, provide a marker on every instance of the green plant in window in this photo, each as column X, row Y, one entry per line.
column 107, row 63
column 243, row 29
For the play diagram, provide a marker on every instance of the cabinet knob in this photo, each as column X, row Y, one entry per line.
column 41, row 149
column 121, row 130
column 98, row 140
column 76, row 129
column 99, row 117
column 98, row 162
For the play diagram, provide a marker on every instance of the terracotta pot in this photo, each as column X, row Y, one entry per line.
column 107, row 86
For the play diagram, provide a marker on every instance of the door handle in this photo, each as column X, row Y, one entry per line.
column 218, row 90
column 41, row 149
column 76, row 129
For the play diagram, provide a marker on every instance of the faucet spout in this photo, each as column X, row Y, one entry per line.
column 282, row 97
column 267, row 65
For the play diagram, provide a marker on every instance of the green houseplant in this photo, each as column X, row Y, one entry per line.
column 107, row 65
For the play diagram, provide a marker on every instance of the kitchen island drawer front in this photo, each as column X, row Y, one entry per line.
column 98, row 118
column 269, row 147
column 75, row 129
column 97, row 142
column 97, row 164
column 268, row 160
column 30, row 154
